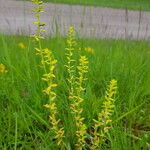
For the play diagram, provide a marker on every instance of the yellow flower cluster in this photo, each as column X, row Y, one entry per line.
column 21, row 45
column 89, row 50
column 102, row 124
column 70, row 60
column 37, row 13
column 82, row 70
column 76, row 106
column 2, row 69
column 50, row 62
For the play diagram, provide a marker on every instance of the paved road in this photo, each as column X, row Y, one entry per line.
column 16, row 17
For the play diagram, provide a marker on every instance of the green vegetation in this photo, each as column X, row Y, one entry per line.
column 24, row 121
column 130, row 4
column 96, row 92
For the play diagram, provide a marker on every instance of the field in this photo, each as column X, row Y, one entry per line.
column 72, row 93
column 24, row 120
column 130, row 4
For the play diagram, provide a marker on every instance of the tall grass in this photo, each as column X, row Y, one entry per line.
column 22, row 99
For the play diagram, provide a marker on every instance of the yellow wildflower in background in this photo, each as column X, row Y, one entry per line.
column 21, row 45
column 2, row 68
column 89, row 50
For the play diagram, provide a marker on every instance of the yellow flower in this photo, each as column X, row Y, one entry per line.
column 2, row 68
column 89, row 50
column 71, row 30
column 21, row 45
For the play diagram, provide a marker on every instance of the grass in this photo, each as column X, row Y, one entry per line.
column 24, row 121
column 130, row 4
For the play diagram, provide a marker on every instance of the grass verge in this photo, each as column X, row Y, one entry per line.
column 24, row 122
column 130, row 4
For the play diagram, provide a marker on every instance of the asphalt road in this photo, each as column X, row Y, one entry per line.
column 16, row 17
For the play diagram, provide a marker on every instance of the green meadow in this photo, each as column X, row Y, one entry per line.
column 24, row 120
column 130, row 4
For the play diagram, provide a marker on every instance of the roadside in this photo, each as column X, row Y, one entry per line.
column 16, row 18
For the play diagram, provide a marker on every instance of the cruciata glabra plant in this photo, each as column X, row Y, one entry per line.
column 48, row 63
column 76, row 87
column 76, row 76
